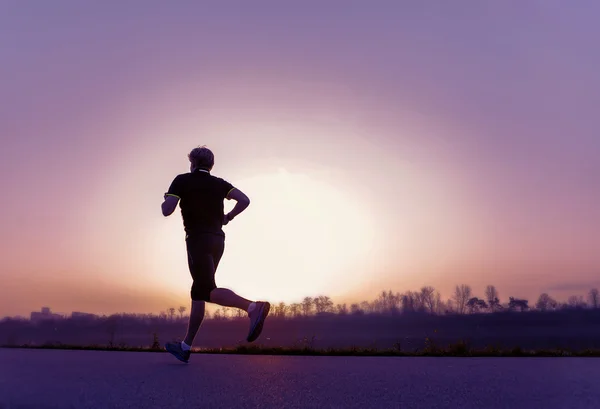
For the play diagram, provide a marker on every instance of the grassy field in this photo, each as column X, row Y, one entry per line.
column 560, row 333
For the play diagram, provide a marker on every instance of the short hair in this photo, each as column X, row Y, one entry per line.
column 202, row 158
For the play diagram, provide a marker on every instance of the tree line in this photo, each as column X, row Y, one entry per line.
column 427, row 300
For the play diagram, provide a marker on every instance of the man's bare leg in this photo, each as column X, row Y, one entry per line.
column 257, row 310
column 196, row 317
column 227, row 298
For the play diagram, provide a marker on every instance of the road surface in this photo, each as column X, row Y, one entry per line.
column 53, row 379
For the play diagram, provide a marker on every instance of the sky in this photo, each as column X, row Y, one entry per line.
column 384, row 145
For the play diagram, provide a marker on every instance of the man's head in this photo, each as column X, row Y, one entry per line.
column 201, row 158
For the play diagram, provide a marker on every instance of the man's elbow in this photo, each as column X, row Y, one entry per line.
column 166, row 210
column 169, row 205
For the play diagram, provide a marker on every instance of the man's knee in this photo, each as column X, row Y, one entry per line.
column 201, row 292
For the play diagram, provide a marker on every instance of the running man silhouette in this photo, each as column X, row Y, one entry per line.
column 201, row 196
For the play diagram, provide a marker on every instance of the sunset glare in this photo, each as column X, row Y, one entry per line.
column 382, row 147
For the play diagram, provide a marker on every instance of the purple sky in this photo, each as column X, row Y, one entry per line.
column 465, row 132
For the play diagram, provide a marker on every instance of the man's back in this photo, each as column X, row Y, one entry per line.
column 201, row 200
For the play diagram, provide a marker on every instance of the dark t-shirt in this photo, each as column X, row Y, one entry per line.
column 201, row 196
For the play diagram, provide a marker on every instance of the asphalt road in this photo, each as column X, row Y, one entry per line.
column 45, row 379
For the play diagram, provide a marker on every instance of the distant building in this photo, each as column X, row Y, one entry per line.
column 45, row 315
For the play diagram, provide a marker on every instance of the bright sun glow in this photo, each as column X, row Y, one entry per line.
column 299, row 237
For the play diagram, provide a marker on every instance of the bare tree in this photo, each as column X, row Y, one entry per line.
column 576, row 301
column 366, row 307
column 462, row 295
column 442, row 307
column 412, row 301
column 439, row 304
column 428, row 299
column 327, row 303
column 545, row 302
column 323, row 304
column 382, row 302
column 395, row 301
column 408, row 302
column 341, row 309
column 295, row 309
column 307, row 305
column 387, row 302
column 355, row 309
column 594, row 298
column 491, row 295
column 377, row 306
column 317, row 304
column 182, row 309
column 280, row 310
column 450, row 307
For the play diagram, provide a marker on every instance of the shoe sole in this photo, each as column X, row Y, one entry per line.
column 176, row 355
column 257, row 330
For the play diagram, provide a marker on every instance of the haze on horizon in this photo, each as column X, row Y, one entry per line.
column 384, row 145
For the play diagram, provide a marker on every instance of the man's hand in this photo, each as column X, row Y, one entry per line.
column 242, row 203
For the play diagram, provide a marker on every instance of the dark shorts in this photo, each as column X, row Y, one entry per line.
column 204, row 253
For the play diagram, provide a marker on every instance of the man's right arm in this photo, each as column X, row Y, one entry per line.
column 173, row 196
column 242, row 203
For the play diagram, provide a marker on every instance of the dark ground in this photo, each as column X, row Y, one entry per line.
column 55, row 379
